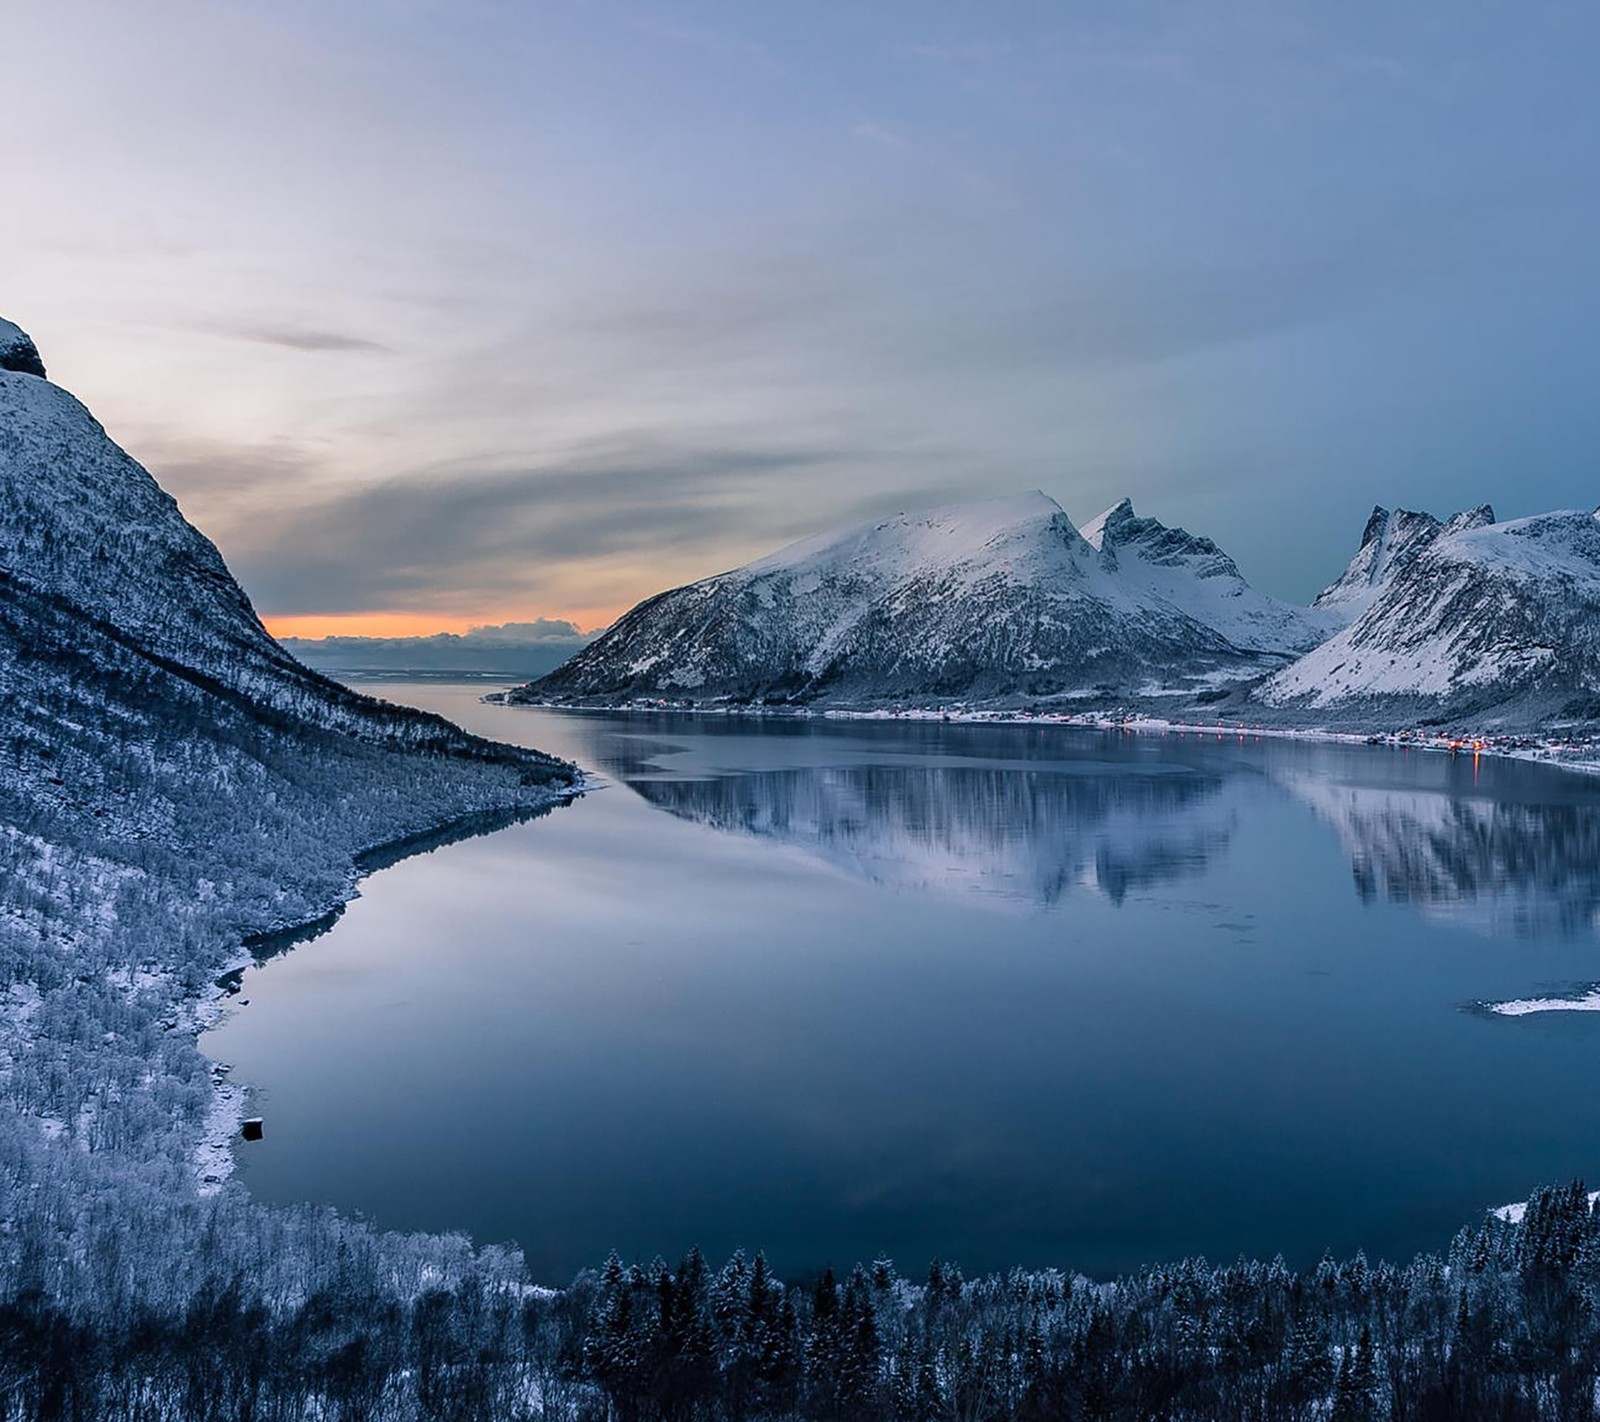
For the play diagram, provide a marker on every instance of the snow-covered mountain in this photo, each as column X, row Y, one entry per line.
column 1497, row 623
column 87, row 533
column 978, row 601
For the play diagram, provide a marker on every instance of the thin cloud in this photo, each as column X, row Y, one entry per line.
column 523, row 533
column 300, row 339
column 881, row 135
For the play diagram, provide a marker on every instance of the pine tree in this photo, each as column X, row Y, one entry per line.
column 684, row 1350
column 761, row 1307
column 730, row 1309
column 779, row 1369
column 824, row 1349
column 1356, row 1388
column 861, row 1354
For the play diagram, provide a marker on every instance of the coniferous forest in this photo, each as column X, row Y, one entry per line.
column 222, row 1310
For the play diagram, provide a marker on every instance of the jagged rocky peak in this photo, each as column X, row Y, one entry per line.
column 1188, row 571
column 1119, row 527
column 1480, row 517
column 1390, row 542
column 1111, row 526
column 17, row 350
column 1377, row 521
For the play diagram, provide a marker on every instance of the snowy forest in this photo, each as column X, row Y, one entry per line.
column 220, row 1310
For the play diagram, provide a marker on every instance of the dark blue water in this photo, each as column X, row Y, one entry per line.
column 1003, row 995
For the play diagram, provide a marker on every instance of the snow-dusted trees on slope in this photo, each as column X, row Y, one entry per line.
column 292, row 1314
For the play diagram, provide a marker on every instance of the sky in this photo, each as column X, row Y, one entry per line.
column 434, row 313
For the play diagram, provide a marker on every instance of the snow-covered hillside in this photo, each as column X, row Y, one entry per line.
column 1492, row 626
column 171, row 784
column 997, row 599
column 1497, row 622
column 85, row 528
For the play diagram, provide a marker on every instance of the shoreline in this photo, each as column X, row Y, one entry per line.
column 214, row 1159
column 1522, row 746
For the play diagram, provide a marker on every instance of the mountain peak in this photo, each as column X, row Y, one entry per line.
column 1487, row 620
column 1480, row 517
column 1389, row 543
column 1120, row 527
column 1114, row 520
column 1377, row 521
column 17, row 350
column 997, row 599
column 949, row 535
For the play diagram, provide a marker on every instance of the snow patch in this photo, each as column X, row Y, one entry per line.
column 1588, row 1001
column 1516, row 1213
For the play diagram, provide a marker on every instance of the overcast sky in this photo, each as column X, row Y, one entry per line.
column 445, row 311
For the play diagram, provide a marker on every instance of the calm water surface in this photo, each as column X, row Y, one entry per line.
column 1003, row 995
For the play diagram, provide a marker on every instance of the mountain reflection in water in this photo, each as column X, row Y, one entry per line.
column 1504, row 847
column 1032, row 835
column 1518, row 867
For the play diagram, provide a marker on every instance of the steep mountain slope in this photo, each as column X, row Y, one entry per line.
column 171, row 783
column 83, row 526
column 1192, row 573
column 1498, row 622
column 978, row 601
column 1389, row 544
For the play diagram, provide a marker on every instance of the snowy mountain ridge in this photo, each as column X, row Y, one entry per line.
column 1005, row 602
column 84, row 527
column 1191, row 572
column 1389, row 543
column 985, row 599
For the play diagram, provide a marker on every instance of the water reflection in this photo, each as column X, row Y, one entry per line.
column 1507, row 850
column 1010, row 835
column 1526, row 868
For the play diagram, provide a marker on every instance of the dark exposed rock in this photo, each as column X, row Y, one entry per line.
column 18, row 352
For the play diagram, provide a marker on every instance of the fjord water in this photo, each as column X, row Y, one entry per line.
column 1005, row 995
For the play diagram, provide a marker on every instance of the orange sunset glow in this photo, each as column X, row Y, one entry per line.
column 419, row 624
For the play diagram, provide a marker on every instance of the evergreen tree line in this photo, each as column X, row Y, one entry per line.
column 324, row 1319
